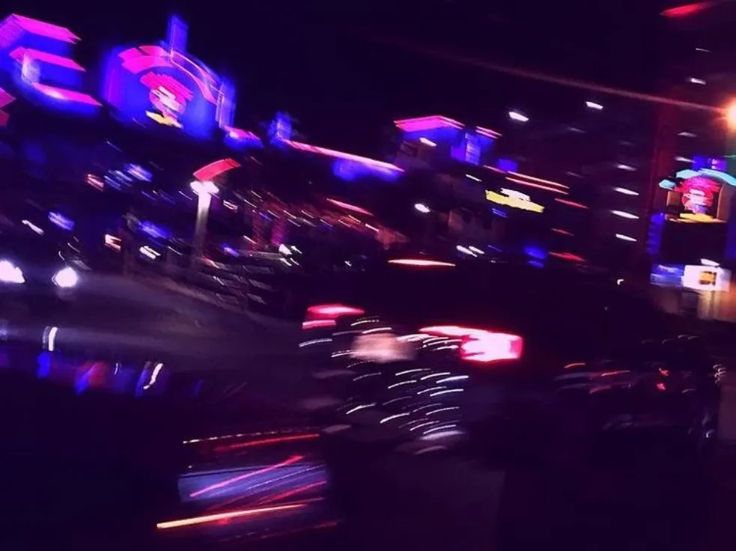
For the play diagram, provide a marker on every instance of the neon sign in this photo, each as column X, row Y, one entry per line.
column 514, row 199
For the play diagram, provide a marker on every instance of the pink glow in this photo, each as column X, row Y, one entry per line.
column 333, row 311
column 65, row 94
column 144, row 58
column 240, row 134
column 341, row 155
column 433, row 122
column 294, row 491
column 208, row 172
column 538, row 186
column 318, row 324
column 421, row 263
column 5, row 98
column 573, row 204
column 479, row 345
column 348, row 206
column 562, row 231
column 19, row 54
column 233, row 480
column 226, row 516
column 42, row 28
column 487, row 132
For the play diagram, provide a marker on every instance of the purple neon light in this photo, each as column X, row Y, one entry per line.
column 65, row 94
column 341, row 155
column 487, row 132
column 420, row 124
column 21, row 54
column 41, row 28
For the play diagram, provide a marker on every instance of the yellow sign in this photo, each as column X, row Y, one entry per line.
column 513, row 199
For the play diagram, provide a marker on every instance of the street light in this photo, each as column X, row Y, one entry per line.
column 731, row 115
column 204, row 191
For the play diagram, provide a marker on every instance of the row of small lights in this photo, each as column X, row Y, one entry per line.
column 517, row 116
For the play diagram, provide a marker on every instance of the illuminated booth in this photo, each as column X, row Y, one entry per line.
column 692, row 239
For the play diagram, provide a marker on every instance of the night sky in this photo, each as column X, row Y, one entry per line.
column 344, row 70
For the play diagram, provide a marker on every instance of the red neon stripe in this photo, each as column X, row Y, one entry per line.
column 432, row 122
column 686, row 10
column 289, row 493
column 208, row 172
column 218, row 485
column 348, row 206
column 267, row 441
column 571, row 203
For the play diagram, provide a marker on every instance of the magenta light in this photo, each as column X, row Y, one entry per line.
column 341, row 155
column 210, row 171
column 5, row 99
column 144, row 58
column 420, row 124
column 65, row 94
column 20, row 54
column 487, row 132
column 42, row 28
column 240, row 134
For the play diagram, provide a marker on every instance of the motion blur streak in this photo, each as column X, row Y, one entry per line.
column 226, row 516
column 544, row 77
column 217, row 486
column 538, row 186
column 294, row 491
column 420, row 263
column 268, row 441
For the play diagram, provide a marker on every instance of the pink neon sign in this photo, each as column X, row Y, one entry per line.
column 65, row 94
column 420, row 124
column 5, row 100
column 210, row 171
column 41, row 28
column 23, row 54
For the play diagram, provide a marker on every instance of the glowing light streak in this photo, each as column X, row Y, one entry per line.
column 41, row 28
column 205, row 519
column 348, row 206
column 518, row 117
column 64, row 94
column 269, row 441
column 538, row 186
column 514, row 202
column 624, row 214
column 372, row 163
column 215, row 168
column 624, row 237
column 222, row 484
column 573, row 204
column 487, row 132
column 392, row 417
column 626, row 191
column 427, row 142
column 421, row 263
column 360, row 407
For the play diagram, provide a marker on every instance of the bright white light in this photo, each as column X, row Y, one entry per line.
column 148, row 252
column 229, row 205
column 518, row 117
column 206, row 186
column 465, row 250
column 427, row 141
column 694, row 80
column 702, row 50
column 10, row 273
column 625, row 191
column 421, row 207
column 33, row 227
column 624, row 237
column 473, row 177
column 283, row 249
column 476, row 250
column 49, row 337
column 686, row 134
column 681, row 159
column 620, row 281
column 624, row 214
column 593, row 105
column 66, row 278
column 708, row 262
column 627, row 168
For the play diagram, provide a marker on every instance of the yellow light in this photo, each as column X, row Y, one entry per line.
column 731, row 115
column 513, row 202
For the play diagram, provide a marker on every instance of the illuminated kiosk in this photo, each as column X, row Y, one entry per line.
column 692, row 240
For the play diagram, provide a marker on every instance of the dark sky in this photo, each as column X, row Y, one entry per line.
column 324, row 60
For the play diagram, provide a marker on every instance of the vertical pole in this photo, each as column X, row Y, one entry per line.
column 200, row 229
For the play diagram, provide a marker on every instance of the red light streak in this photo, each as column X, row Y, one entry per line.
column 487, row 132
column 348, row 206
column 421, row 263
column 568, row 256
column 687, row 10
column 480, row 345
column 210, row 171
column 205, row 519
column 333, row 311
column 571, row 203
column 538, row 186
column 562, row 232
column 239, row 478
column 268, row 441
